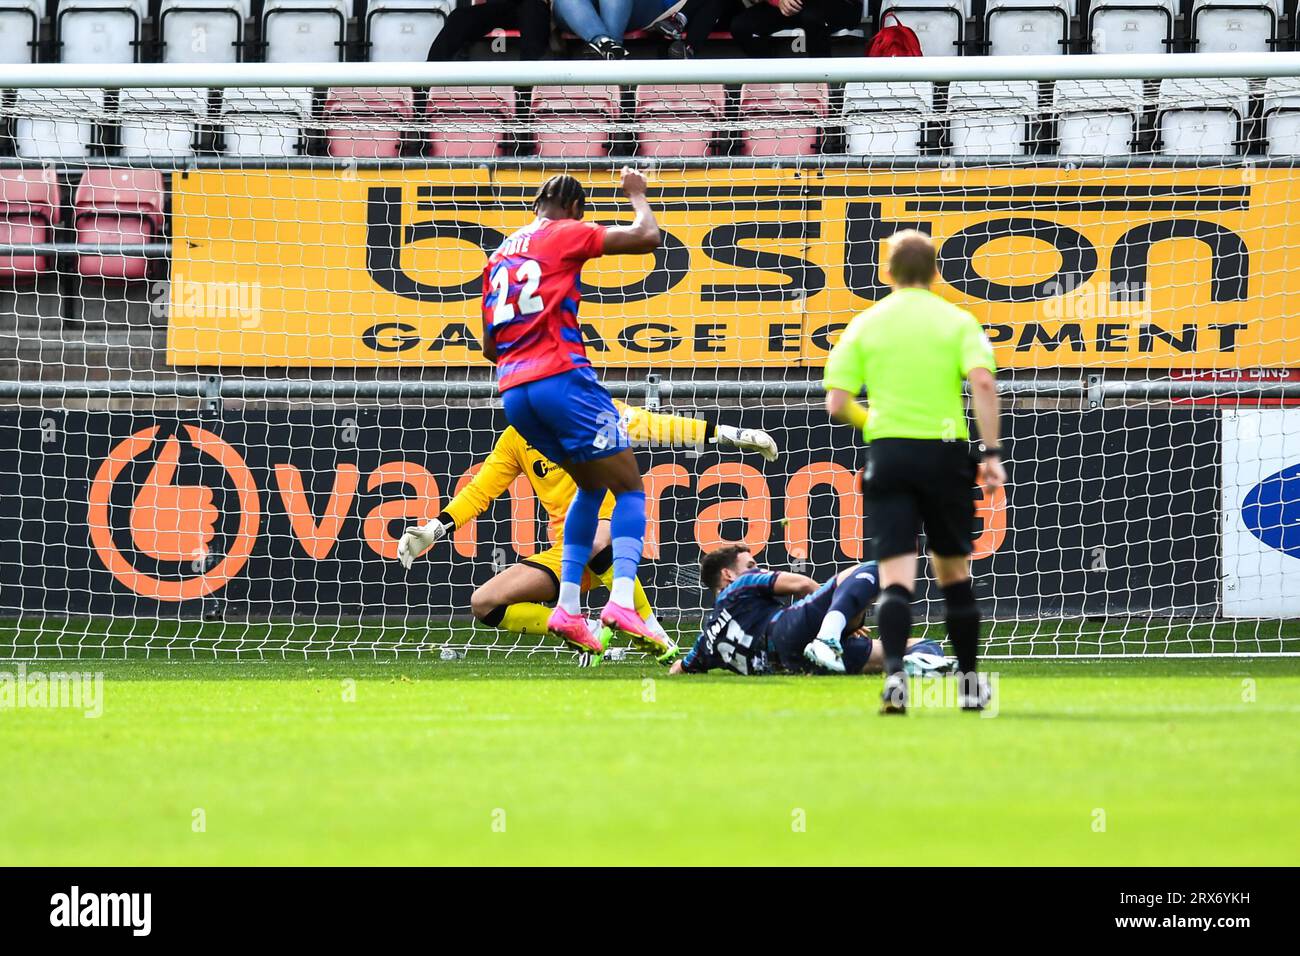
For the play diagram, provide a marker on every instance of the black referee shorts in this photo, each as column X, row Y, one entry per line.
column 912, row 484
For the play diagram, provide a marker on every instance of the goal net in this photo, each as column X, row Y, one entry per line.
column 242, row 321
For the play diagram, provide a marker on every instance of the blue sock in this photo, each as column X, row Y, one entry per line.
column 627, row 527
column 579, row 533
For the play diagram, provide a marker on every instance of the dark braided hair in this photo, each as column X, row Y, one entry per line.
column 562, row 191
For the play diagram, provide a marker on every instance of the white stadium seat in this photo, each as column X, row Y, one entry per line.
column 264, row 122
column 1201, row 117
column 20, row 22
column 403, row 30
column 1131, row 26
column 1097, row 117
column 202, row 31
column 1282, row 116
column 939, row 25
column 99, row 31
column 1234, row 26
column 991, row 117
column 304, row 31
column 160, row 121
column 886, row 119
column 1027, row 27
column 56, row 124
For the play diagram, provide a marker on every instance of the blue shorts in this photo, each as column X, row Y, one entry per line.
column 567, row 417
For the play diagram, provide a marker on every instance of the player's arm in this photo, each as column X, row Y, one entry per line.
column 788, row 584
column 694, row 661
column 494, row 476
column 658, row 430
column 489, row 343
column 979, row 367
column 843, row 380
column 643, row 235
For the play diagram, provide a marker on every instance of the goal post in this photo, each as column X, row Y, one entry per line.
column 241, row 334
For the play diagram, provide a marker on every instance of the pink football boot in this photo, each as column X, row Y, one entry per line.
column 629, row 623
column 573, row 628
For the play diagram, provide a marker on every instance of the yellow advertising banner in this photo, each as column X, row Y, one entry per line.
column 1066, row 267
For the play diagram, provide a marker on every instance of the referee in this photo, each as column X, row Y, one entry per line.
column 911, row 351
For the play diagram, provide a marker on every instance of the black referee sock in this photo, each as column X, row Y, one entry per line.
column 894, row 625
column 963, row 620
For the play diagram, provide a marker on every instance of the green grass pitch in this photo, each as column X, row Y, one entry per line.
column 476, row 761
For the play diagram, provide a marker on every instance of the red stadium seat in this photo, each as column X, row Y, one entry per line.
column 796, row 109
column 117, row 207
column 468, row 121
column 363, row 122
column 29, row 209
column 678, row 121
column 570, row 119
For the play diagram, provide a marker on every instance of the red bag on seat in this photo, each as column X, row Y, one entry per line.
column 897, row 40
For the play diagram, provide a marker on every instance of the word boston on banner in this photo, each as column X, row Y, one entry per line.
column 1160, row 268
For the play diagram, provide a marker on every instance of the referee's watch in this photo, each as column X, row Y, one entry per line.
column 989, row 451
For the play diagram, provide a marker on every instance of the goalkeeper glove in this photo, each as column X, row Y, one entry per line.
column 418, row 540
column 747, row 439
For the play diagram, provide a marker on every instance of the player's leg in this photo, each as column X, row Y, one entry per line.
column 602, row 567
column 855, row 591
column 516, row 599
column 895, row 522
column 865, row 656
column 949, row 519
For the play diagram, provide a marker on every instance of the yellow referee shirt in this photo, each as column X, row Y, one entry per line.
column 912, row 350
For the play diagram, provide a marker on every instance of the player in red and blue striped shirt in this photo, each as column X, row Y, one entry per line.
column 531, row 292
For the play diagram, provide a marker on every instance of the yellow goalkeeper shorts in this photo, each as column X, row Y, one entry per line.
column 549, row 561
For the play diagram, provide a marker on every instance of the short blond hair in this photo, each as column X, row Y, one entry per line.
column 911, row 258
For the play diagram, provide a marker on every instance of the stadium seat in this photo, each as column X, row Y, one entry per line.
column 1282, row 116
column 1131, row 26
column 1235, row 26
column 1027, row 27
column 367, row 121
column 468, row 121
column 939, row 25
column 202, row 31
column 574, row 121
column 56, row 124
column 265, row 121
column 20, row 27
column 398, row 30
column 1201, row 117
column 99, row 31
column 1097, row 117
column 886, row 119
column 160, row 121
column 304, row 31
column 797, row 109
column 678, row 121
column 991, row 117
column 117, row 207
column 29, row 210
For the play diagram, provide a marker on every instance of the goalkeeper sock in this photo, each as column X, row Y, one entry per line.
column 894, row 622
column 579, row 534
column 852, row 596
column 627, row 527
column 522, row 618
column 963, row 620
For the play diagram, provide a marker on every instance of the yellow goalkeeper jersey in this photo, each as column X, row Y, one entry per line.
column 512, row 456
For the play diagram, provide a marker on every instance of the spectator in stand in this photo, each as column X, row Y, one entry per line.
column 532, row 18
column 818, row 19
column 601, row 24
column 702, row 18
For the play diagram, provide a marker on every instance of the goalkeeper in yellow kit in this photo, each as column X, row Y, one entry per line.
column 517, row 599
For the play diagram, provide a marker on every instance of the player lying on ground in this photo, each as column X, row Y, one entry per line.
column 751, row 630
column 551, row 394
column 516, row 599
